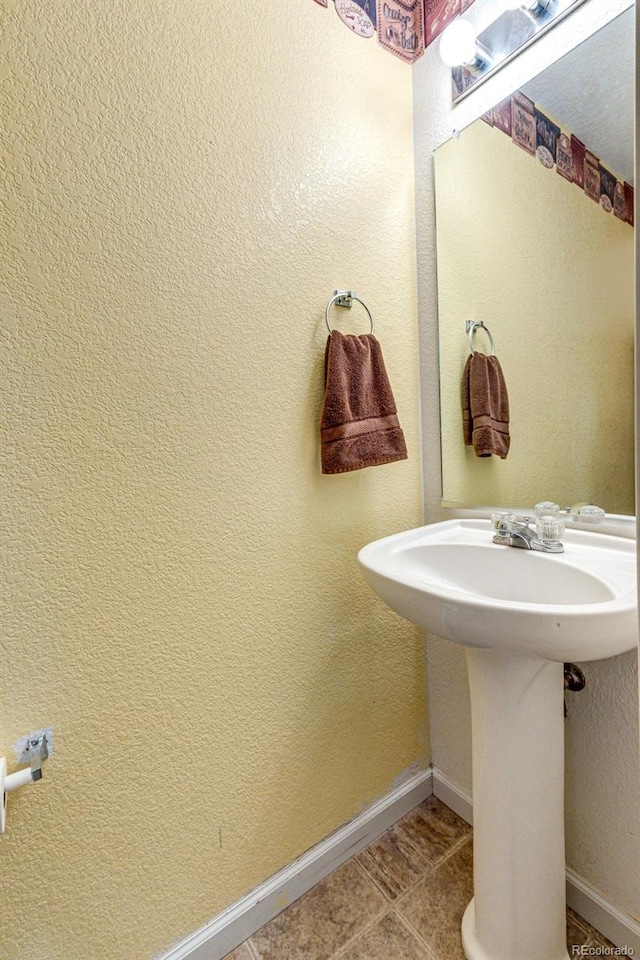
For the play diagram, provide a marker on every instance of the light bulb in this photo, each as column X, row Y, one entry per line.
column 458, row 43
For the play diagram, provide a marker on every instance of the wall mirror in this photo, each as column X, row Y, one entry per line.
column 535, row 239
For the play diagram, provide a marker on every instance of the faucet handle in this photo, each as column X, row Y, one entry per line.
column 546, row 508
column 502, row 520
column 587, row 512
column 550, row 528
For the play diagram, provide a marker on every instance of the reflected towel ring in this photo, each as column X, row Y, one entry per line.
column 345, row 298
column 472, row 326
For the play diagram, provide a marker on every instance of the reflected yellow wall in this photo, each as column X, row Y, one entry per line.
column 551, row 275
column 188, row 182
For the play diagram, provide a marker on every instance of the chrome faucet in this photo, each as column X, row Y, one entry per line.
column 512, row 531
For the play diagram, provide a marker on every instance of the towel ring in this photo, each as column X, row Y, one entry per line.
column 472, row 326
column 345, row 298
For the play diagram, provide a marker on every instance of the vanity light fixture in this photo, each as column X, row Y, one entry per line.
column 474, row 57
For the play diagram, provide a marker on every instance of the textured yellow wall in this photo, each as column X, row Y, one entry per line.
column 188, row 180
column 552, row 276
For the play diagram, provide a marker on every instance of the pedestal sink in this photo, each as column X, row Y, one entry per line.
column 521, row 615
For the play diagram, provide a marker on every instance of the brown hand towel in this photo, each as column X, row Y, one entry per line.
column 485, row 406
column 359, row 426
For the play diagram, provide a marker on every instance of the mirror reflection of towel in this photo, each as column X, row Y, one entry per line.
column 485, row 406
column 359, row 426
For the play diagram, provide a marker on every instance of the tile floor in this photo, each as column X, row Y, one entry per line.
column 401, row 898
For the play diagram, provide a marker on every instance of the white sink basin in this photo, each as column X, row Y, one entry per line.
column 451, row 579
column 520, row 615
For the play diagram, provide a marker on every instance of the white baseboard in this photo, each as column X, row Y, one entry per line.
column 243, row 918
column 454, row 797
column 589, row 903
column 617, row 926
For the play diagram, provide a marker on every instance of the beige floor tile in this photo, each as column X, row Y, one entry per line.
column 394, row 862
column 388, row 939
column 576, row 934
column 434, row 828
column 323, row 920
column 434, row 907
column 346, row 916
column 240, row 953
column 585, row 934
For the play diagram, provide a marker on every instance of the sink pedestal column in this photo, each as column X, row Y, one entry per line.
column 518, row 909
